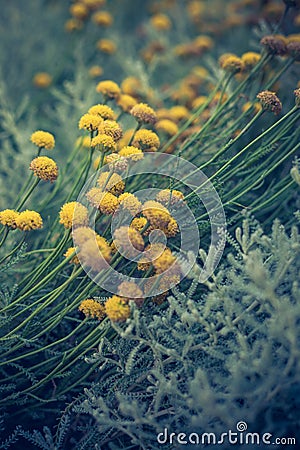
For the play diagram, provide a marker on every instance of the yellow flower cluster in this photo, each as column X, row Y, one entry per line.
column 143, row 113
column 103, row 111
column 131, row 152
column 129, row 240
column 108, row 89
column 117, row 309
column 106, row 202
column 111, row 182
column 92, row 308
column 43, row 139
column 28, row 220
column 104, row 143
column 8, row 218
column 73, row 214
column 146, row 140
column 44, row 168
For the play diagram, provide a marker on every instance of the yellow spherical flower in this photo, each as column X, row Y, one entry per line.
column 79, row 11
column 199, row 101
column 171, row 229
column 131, row 291
column 146, row 140
column 126, row 102
column 144, row 113
column 111, row 182
column 161, row 22
column 95, row 253
column 89, row 122
column 129, row 240
column 43, row 139
column 164, row 261
column 139, row 223
column 83, row 141
column 250, row 59
column 95, row 71
column 131, row 152
column 70, row 252
column 92, row 308
column 8, row 218
column 168, row 197
column 131, row 86
column 93, row 4
column 156, row 213
column 116, row 162
column 73, row 25
column 104, row 142
column 167, row 126
column 106, row 202
column 117, row 309
column 130, row 202
column 42, row 80
column 103, row 111
column 152, row 252
column 179, row 112
column 202, row 43
column 275, row 44
column 108, row 88
column 28, row 220
column 102, row 18
column 83, row 234
column 73, row 214
column 111, row 128
column 232, row 64
column 106, row 46
column 44, row 168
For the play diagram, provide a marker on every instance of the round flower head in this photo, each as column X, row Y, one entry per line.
column 92, row 308
column 274, row 44
column 83, row 234
column 131, row 152
column 108, row 89
column 104, row 143
column 93, row 4
column 139, row 223
column 103, row 111
column 43, row 139
column 164, row 261
column 111, row 182
column 102, row 18
column 146, row 140
column 95, row 253
column 116, row 162
column 156, row 213
column 129, row 241
column 106, row 46
column 250, row 59
column 160, row 22
column 167, row 126
column 42, row 80
column 117, row 309
column 179, row 113
column 232, row 64
column 111, row 128
column 8, row 218
column 293, row 49
column 130, row 202
column 152, row 252
column 256, row 106
column 168, row 197
column 126, row 102
column 130, row 291
column 29, row 220
column 70, row 252
column 44, row 168
column 131, row 86
column 297, row 96
column 89, row 122
column 95, row 71
column 79, row 11
column 106, row 202
column 73, row 214
column 144, row 113
column 270, row 102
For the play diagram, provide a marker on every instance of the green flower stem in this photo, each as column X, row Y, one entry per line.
column 237, row 155
column 271, row 199
column 46, row 263
column 23, row 190
column 6, row 231
column 27, row 194
column 13, row 250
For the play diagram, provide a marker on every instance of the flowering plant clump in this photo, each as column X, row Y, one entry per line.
column 161, row 254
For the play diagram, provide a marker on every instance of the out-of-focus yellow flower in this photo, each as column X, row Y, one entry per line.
column 167, row 126
column 179, row 112
column 126, row 102
column 73, row 25
column 106, row 202
column 44, row 168
column 92, row 308
column 73, row 214
column 102, row 18
column 42, row 80
column 161, row 22
column 79, row 11
column 106, row 46
column 108, row 89
column 131, row 152
column 250, row 59
column 69, row 252
column 131, row 86
column 130, row 202
column 43, row 139
column 255, row 105
column 129, row 240
column 28, row 220
column 95, row 71
column 146, row 140
column 232, row 64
